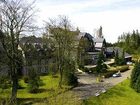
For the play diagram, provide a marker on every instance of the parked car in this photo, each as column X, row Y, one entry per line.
column 118, row 74
column 129, row 63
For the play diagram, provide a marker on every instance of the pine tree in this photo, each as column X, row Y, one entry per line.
column 117, row 57
column 101, row 59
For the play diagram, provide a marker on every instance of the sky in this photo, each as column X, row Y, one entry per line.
column 115, row 16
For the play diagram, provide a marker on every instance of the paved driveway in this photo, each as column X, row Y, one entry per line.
column 89, row 86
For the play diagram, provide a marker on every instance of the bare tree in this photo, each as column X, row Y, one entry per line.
column 15, row 19
column 62, row 32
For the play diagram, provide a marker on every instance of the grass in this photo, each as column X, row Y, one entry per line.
column 121, row 94
column 67, row 98
column 51, row 94
column 49, row 88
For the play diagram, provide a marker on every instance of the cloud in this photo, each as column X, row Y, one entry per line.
column 116, row 16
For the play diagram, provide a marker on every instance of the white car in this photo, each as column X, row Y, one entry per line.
column 129, row 63
column 117, row 74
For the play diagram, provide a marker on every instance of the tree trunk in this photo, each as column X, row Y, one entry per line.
column 13, row 100
column 61, row 77
column 14, row 78
column 14, row 92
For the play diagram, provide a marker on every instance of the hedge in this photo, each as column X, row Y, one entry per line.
column 110, row 72
column 120, row 68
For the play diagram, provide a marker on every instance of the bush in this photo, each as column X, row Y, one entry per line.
column 89, row 70
column 53, row 68
column 69, row 73
column 137, row 87
column 135, row 77
column 72, row 80
column 4, row 82
column 81, row 67
column 109, row 74
column 34, row 81
column 124, row 68
column 120, row 68
column 26, row 79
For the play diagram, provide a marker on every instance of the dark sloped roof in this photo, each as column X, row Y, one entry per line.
column 86, row 35
column 120, row 51
column 31, row 39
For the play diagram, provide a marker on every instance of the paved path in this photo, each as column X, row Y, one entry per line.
column 89, row 86
column 115, row 81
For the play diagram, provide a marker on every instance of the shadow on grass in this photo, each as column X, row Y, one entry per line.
column 42, row 90
column 31, row 101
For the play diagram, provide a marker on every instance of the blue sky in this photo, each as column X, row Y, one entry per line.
column 115, row 16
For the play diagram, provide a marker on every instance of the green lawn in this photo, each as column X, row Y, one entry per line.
column 49, row 88
column 121, row 94
column 51, row 94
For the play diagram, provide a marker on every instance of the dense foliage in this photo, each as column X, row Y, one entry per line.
column 130, row 41
column 135, row 77
column 34, row 81
column 101, row 67
column 120, row 60
column 69, row 73
column 63, row 37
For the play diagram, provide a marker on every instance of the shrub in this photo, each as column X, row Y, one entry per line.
column 4, row 82
column 53, row 69
column 20, row 86
column 72, row 80
column 26, row 79
column 81, row 67
column 109, row 74
column 34, row 81
column 121, row 68
column 135, row 76
column 69, row 73
column 137, row 87
column 89, row 70
column 124, row 68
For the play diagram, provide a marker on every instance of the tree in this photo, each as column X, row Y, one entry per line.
column 60, row 30
column 120, row 60
column 16, row 18
column 130, row 41
column 135, row 77
column 69, row 75
column 81, row 53
column 116, row 57
column 100, row 63
column 34, row 81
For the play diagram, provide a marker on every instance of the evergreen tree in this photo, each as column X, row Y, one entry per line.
column 116, row 57
column 130, row 41
column 100, row 68
column 122, row 59
column 135, row 77
column 69, row 73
